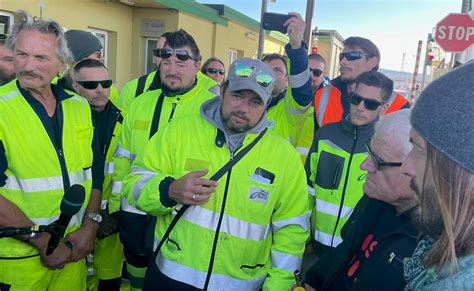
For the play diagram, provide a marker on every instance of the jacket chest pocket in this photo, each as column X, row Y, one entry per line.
column 329, row 171
column 84, row 136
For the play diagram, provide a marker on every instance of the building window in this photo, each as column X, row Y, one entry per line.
column 150, row 64
column 232, row 56
column 103, row 37
column 6, row 21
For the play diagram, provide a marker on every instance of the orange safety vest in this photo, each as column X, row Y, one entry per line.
column 328, row 107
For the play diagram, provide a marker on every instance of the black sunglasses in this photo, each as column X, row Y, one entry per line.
column 215, row 71
column 369, row 104
column 166, row 53
column 316, row 72
column 353, row 55
column 379, row 163
column 91, row 85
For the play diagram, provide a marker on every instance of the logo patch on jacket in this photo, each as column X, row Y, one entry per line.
column 259, row 195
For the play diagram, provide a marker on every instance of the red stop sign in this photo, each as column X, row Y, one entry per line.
column 455, row 32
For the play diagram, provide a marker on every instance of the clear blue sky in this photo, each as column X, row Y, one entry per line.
column 395, row 26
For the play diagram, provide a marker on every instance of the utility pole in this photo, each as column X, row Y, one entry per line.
column 415, row 74
column 466, row 6
column 261, row 35
column 425, row 64
column 308, row 19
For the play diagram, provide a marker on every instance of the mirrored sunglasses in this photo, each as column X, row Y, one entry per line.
column 352, row 56
column 181, row 54
column 378, row 162
column 244, row 71
column 215, row 71
column 91, row 85
column 369, row 104
column 316, row 72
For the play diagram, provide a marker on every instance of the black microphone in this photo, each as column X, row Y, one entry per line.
column 14, row 231
column 70, row 205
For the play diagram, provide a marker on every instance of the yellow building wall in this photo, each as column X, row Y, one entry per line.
column 84, row 14
column 137, row 43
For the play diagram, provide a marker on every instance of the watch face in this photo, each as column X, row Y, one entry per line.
column 96, row 217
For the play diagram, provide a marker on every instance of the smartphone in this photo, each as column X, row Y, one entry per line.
column 274, row 21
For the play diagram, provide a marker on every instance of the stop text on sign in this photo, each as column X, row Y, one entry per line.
column 455, row 32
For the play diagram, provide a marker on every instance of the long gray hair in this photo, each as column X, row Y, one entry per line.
column 43, row 26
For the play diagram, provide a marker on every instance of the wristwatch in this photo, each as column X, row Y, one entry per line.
column 95, row 217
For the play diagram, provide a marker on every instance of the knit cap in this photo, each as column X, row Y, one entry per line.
column 81, row 43
column 444, row 115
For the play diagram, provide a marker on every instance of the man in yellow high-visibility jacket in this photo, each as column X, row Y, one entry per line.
column 46, row 138
column 248, row 230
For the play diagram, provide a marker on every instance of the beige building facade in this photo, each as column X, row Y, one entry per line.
column 129, row 29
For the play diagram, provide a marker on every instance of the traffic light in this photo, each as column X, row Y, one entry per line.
column 429, row 60
column 314, row 50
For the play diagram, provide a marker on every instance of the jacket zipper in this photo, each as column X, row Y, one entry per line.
column 345, row 184
column 219, row 223
column 173, row 107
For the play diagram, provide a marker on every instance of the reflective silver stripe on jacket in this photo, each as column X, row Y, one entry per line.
column 47, row 183
column 298, row 80
column 302, row 221
column 326, row 238
column 230, row 225
column 197, row 279
column 109, row 168
column 286, row 262
column 323, row 103
column 120, row 152
column 76, row 219
column 125, row 206
column 140, row 184
column 332, row 209
column 10, row 95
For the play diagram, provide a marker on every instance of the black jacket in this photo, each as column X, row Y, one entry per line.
column 374, row 235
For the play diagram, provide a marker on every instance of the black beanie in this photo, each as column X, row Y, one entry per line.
column 444, row 115
column 81, row 43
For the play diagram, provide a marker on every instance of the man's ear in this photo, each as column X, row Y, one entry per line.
column 372, row 62
column 75, row 86
column 383, row 108
column 221, row 95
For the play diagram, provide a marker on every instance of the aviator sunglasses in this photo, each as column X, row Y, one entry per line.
column 243, row 71
column 369, row 104
column 215, row 71
column 352, row 56
column 379, row 162
column 91, row 85
column 166, row 53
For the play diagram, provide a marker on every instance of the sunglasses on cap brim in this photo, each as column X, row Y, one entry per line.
column 91, row 85
column 166, row 53
column 369, row 104
column 352, row 56
column 215, row 71
column 244, row 71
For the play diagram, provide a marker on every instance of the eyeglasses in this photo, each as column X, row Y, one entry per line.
column 215, row 71
column 379, row 162
column 369, row 104
column 243, row 71
column 353, row 55
column 91, row 85
column 166, row 53
column 316, row 72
